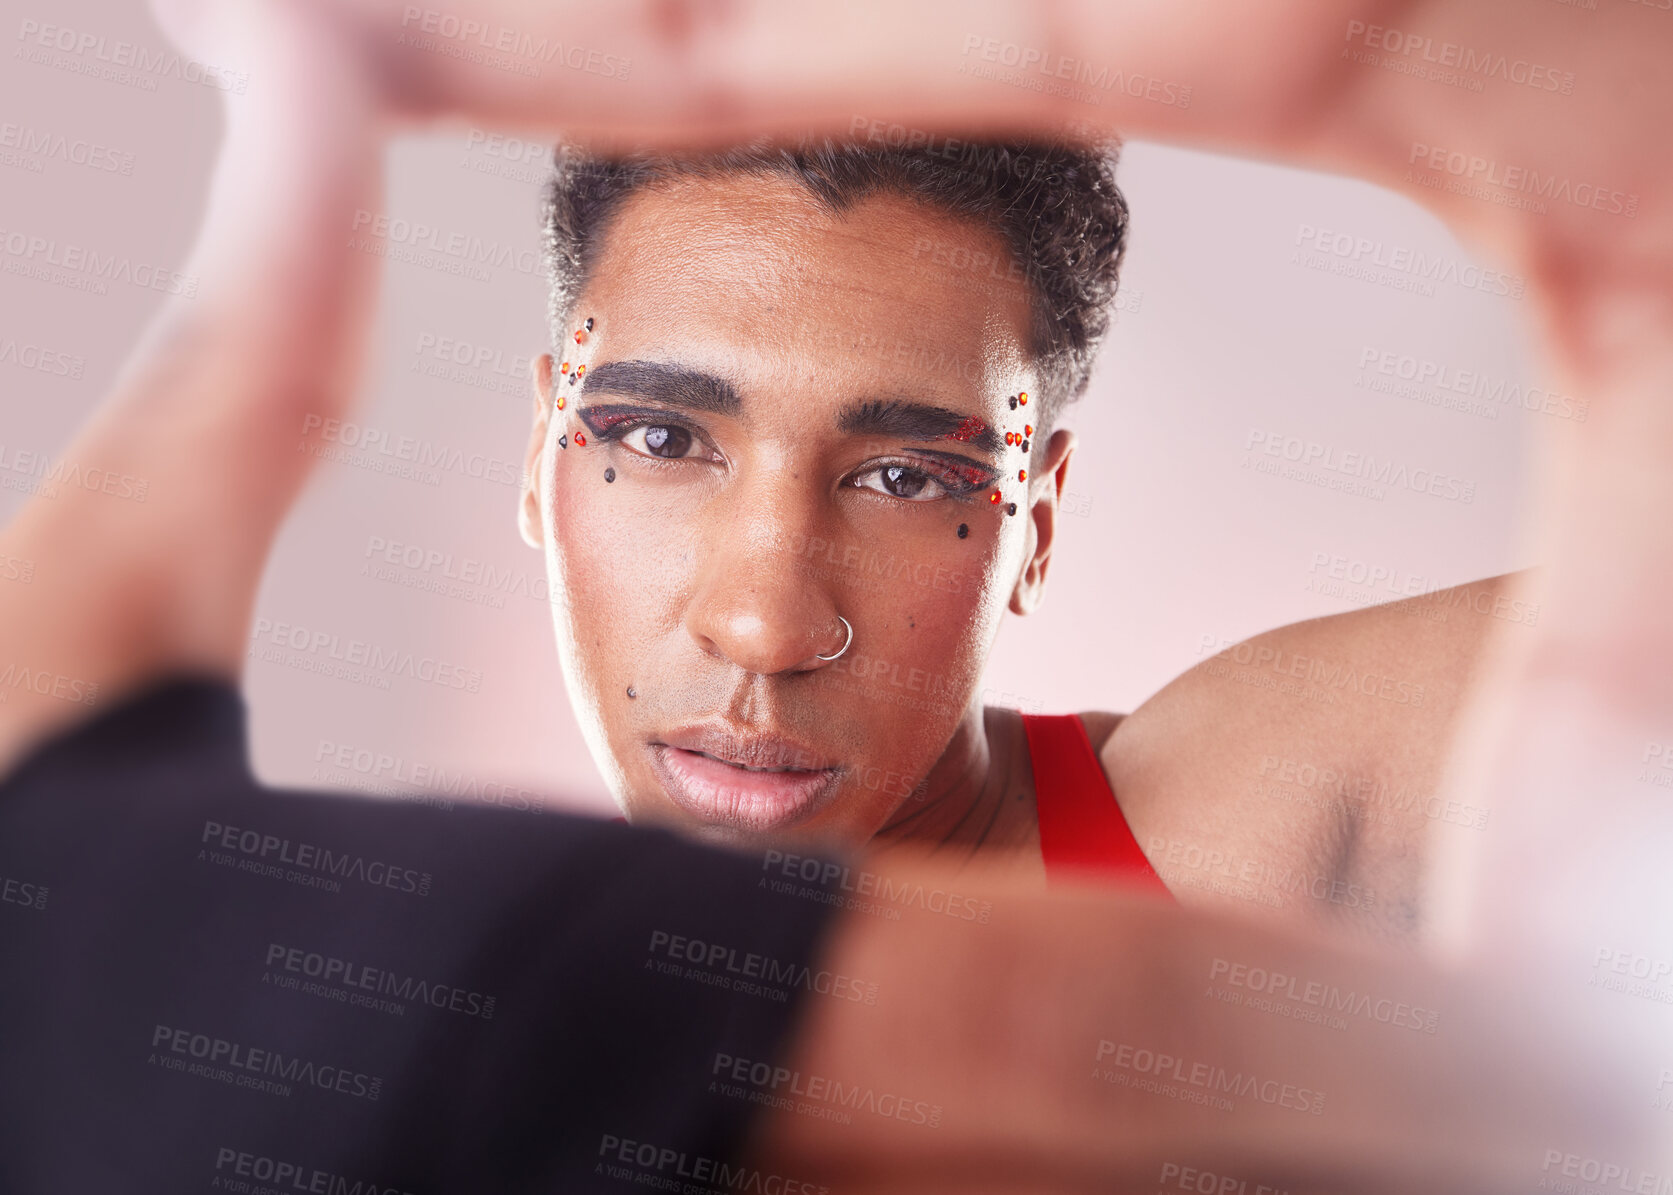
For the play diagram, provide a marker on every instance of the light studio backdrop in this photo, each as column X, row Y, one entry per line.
column 1312, row 399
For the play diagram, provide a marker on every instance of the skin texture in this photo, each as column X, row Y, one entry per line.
column 1006, row 1021
column 709, row 584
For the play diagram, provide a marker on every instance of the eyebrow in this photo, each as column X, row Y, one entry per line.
column 671, row 385
column 909, row 420
column 694, row 390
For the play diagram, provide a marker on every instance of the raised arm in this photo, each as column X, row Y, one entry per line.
column 210, row 413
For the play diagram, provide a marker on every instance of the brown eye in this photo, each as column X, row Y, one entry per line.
column 901, row 481
column 667, row 440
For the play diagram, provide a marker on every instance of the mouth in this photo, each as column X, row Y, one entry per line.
column 755, row 783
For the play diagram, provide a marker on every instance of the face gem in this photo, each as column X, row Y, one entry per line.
column 994, row 497
column 1023, row 398
column 630, row 691
column 560, row 402
column 563, row 441
column 579, row 337
column 963, row 530
column 609, row 475
column 579, row 370
column 1025, row 445
column 581, row 439
column 564, row 368
column 1022, row 474
column 1028, row 429
column 573, row 378
column 1013, row 402
column 1011, row 509
column 589, row 326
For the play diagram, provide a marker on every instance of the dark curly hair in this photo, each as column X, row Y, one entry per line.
column 1054, row 202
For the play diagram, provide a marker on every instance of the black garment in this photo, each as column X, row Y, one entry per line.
column 500, row 1000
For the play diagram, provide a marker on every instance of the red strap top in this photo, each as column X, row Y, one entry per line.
column 1081, row 826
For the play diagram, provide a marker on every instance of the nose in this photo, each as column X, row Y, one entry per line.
column 760, row 600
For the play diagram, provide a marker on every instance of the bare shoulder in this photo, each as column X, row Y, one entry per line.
column 1297, row 770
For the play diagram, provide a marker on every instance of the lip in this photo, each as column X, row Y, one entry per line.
column 706, row 770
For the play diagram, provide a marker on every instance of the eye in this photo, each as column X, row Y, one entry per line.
column 649, row 433
column 668, row 441
column 902, row 481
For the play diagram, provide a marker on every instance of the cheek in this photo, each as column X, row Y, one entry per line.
column 924, row 614
column 621, row 561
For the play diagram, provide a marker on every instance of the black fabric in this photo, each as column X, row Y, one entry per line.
column 141, row 938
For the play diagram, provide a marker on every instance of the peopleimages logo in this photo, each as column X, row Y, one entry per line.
column 1210, row 1083
column 1491, row 391
column 341, row 973
column 42, row 145
column 1359, row 466
column 150, row 64
column 235, row 1168
column 1472, row 168
column 230, row 1058
column 1327, row 996
column 832, row 878
column 386, row 662
column 271, row 850
column 1419, row 268
column 38, row 256
column 1469, row 60
column 829, row 1099
column 473, row 37
column 464, row 247
column 1063, row 68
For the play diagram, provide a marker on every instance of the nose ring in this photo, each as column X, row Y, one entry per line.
column 849, row 627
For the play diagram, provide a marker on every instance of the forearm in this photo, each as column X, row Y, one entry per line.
column 1072, row 1039
column 207, row 416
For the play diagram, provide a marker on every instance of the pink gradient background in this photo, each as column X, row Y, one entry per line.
column 1221, row 333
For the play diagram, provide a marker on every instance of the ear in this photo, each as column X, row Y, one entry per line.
column 1045, row 495
column 529, row 522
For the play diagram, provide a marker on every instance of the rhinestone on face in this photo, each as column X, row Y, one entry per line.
column 1022, row 474
column 1028, row 429
column 1023, row 398
column 561, row 401
column 1025, row 445
column 1013, row 402
column 563, row 441
column 630, row 692
column 581, row 439
column 1011, row 509
column 564, row 368
column 994, row 497
column 963, row 530
column 609, row 475
column 579, row 337
column 589, row 326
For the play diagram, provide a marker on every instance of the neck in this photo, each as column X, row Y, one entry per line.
column 978, row 796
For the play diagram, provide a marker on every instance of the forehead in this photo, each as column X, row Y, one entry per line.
column 750, row 273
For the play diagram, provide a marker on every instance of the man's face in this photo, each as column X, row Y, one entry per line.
column 786, row 416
